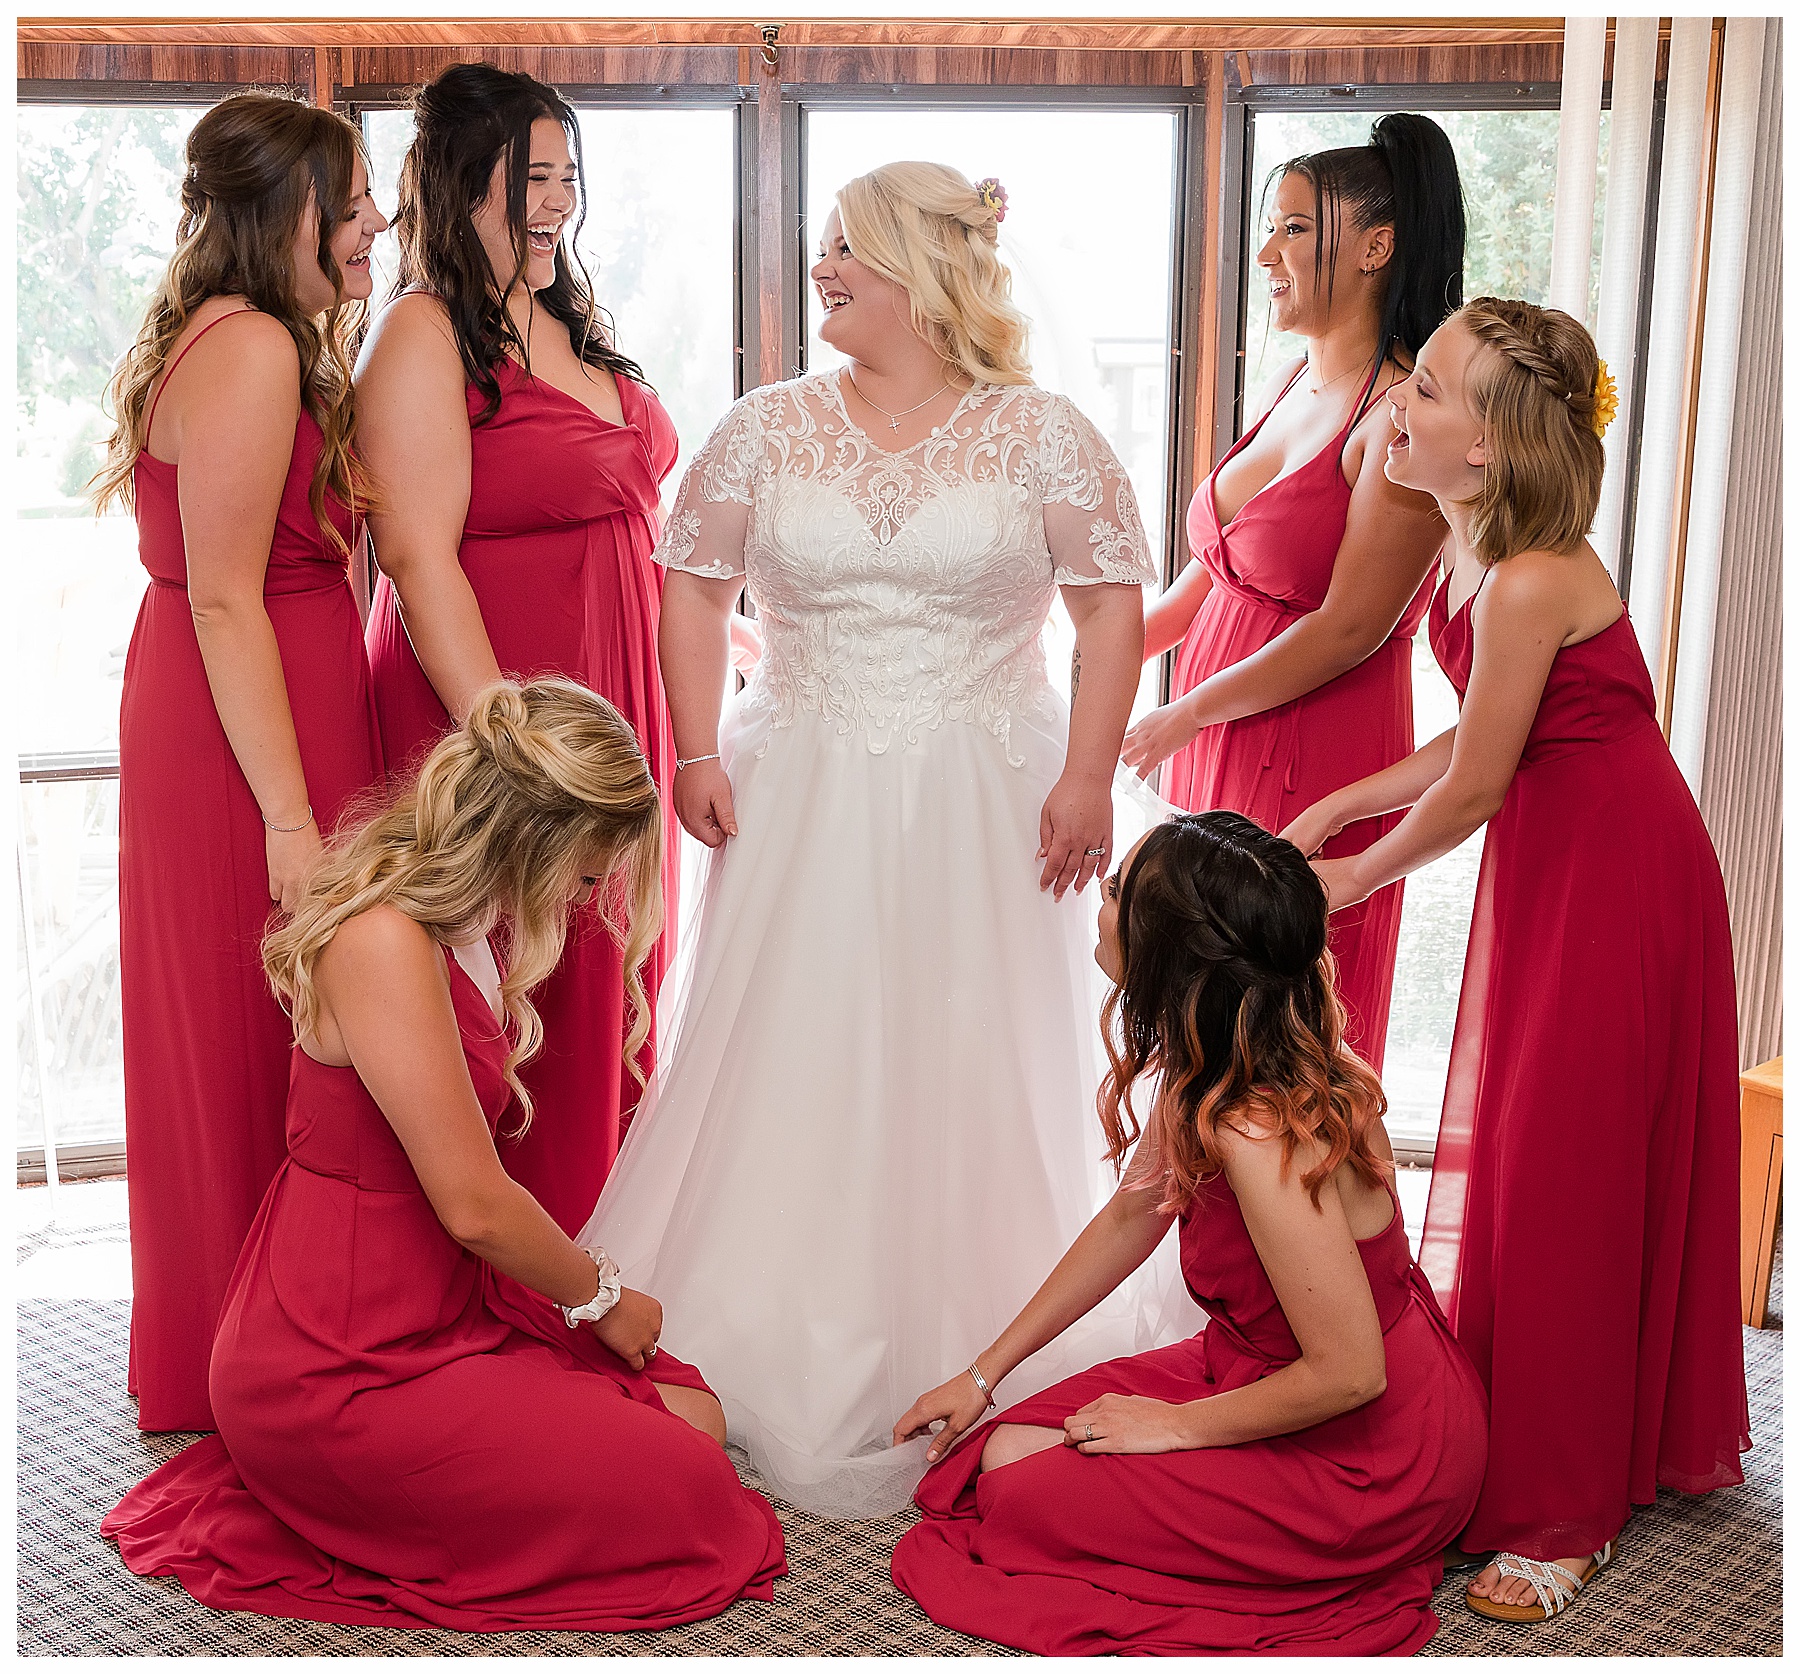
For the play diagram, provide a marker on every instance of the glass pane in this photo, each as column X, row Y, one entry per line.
column 70, row 1052
column 98, row 201
column 1089, row 236
column 659, row 244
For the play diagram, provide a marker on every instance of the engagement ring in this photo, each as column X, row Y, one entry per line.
column 1090, row 1432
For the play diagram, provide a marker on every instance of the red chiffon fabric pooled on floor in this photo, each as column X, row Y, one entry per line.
column 205, row 1045
column 1324, row 1542
column 563, row 517
column 1583, row 1221
column 1270, row 566
column 409, row 1439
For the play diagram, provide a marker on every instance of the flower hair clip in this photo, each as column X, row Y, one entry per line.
column 993, row 197
column 1606, row 400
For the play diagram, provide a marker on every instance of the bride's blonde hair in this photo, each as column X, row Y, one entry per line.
column 924, row 227
column 543, row 784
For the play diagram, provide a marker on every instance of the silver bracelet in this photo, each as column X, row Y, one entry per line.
column 300, row 827
column 694, row 761
column 981, row 1383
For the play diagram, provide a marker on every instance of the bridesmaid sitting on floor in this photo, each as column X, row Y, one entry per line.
column 1583, row 1221
column 1286, row 1481
column 410, row 1432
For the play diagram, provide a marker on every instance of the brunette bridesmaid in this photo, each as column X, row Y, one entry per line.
column 412, row 1431
column 1294, row 675
column 1583, row 1220
column 517, row 457
column 1285, row 1482
column 247, row 723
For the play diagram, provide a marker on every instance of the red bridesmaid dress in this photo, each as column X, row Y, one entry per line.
column 205, row 1045
column 1583, row 1221
column 409, row 1439
column 1270, row 566
column 563, row 517
column 1327, row 1542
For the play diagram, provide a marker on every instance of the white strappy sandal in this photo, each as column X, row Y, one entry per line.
column 1556, row 1587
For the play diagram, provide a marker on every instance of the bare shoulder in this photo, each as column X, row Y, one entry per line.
column 1568, row 593
column 1255, row 1152
column 1270, row 391
column 413, row 330
column 253, row 356
column 382, row 945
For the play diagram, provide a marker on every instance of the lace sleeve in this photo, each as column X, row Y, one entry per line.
column 710, row 521
column 1091, row 521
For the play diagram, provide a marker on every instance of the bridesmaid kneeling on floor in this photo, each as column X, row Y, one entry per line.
column 410, row 1432
column 1583, row 1223
column 1287, row 1480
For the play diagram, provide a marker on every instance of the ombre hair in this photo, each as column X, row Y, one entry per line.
column 253, row 162
column 1226, row 997
column 541, row 785
column 924, row 227
column 1533, row 393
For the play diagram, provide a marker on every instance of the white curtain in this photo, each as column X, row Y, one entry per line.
column 1577, row 164
column 1622, row 259
column 1680, row 208
column 1725, row 721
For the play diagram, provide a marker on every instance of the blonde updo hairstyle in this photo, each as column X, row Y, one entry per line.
column 1533, row 391
column 543, row 784
column 924, row 227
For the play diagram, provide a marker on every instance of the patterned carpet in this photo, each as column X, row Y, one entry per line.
column 1696, row 1576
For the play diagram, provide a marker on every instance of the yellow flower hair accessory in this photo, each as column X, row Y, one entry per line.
column 993, row 197
column 1606, row 400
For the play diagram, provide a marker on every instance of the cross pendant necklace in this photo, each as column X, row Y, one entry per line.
column 894, row 418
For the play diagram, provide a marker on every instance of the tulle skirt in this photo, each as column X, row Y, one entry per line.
column 873, row 1132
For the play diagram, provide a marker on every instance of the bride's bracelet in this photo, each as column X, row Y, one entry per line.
column 694, row 761
column 981, row 1383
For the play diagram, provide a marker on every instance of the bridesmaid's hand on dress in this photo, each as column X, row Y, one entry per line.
column 1312, row 830
column 291, row 855
column 959, row 1403
column 1159, row 735
column 1343, row 887
column 1076, row 822
column 630, row 1328
column 1129, row 1424
column 703, row 803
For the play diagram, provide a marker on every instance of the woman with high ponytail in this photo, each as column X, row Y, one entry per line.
column 1295, row 622
column 434, row 1409
column 246, row 722
column 1583, row 1225
column 1285, row 1481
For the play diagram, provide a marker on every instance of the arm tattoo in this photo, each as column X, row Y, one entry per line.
column 1074, row 675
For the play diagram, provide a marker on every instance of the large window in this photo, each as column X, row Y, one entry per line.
column 1090, row 235
column 1507, row 160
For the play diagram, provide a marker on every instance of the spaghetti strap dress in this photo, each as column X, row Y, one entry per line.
column 563, row 516
column 1582, row 1230
column 1270, row 566
column 408, row 1438
column 1326, row 1542
column 205, row 1044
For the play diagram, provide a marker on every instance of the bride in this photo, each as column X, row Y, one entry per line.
column 874, row 1130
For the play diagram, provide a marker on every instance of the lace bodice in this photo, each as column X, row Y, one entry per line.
column 899, row 591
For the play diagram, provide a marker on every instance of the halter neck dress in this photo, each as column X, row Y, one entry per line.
column 408, row 1438
column 1326, row 1542
column 563, row 517
column 205, row 1045
column 1583, row 1223
column 1270, row 566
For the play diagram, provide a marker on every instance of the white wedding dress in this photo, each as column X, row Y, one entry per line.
column 872, row 1134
